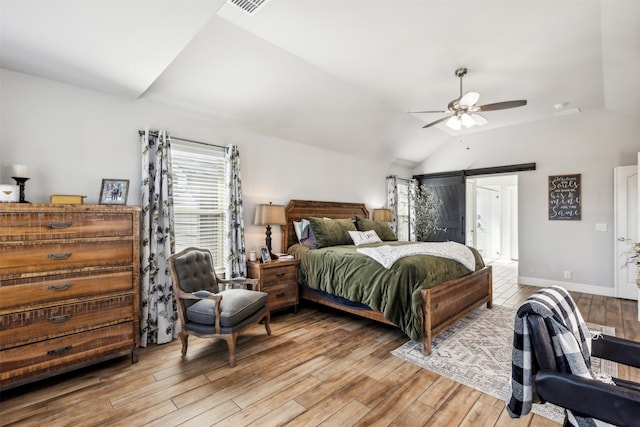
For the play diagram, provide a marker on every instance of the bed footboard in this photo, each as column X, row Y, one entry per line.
column 449, row 302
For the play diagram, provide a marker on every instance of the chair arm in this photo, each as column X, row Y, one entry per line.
column 615, row 405
column 616, row 349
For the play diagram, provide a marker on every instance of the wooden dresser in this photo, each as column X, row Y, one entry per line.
column 68, row 288
column 279, row 279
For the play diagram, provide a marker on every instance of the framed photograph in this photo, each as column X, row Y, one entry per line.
column 114, row 192
column 264, row 254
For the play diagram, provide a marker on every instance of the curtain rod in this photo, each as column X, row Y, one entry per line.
column 155, row 133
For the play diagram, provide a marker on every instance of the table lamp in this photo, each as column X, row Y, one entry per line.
column 382, row 215
column 270, row 215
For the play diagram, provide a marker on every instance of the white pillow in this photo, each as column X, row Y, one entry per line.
column 298, row 229
column 362, row 237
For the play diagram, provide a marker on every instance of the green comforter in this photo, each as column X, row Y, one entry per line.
column 341, row 271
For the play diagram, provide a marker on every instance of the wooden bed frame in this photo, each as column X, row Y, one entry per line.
column 442, row 305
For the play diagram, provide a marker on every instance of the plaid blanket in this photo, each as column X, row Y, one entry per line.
column 571, row 343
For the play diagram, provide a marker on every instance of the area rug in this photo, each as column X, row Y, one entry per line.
column 476, row 352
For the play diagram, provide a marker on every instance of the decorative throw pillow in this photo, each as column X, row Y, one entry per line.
column 307, row 238
column 381, row 228
column 332, row 232
column 362, row 237
column 297, row 227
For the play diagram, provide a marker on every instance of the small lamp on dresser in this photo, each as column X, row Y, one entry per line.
column 382, row 215
column 270, row 215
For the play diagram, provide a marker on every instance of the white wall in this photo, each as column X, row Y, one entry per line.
column 589, row 143
column 72, row 138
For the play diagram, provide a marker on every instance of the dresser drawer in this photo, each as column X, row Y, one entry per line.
column 45, row 257
column 37, row 325
column 279, row 276
column 281, row 296
column 27, row 226
column 21, row 294
column 47, row 356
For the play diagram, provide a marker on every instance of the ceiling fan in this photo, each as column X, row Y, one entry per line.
column 464, row 111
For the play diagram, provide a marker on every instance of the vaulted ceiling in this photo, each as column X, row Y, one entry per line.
column 339, row 74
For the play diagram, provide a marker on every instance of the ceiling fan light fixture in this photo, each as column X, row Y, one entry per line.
column 454, row 123
column 478, row 119
column 467, row 120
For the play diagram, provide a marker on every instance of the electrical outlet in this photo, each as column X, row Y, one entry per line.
column 567, row 274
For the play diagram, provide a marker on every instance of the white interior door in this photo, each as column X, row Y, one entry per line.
column 626, row 229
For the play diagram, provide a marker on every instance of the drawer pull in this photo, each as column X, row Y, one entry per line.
column 280, row 274
column 60, row 287
column 59, row 319
column 280, row 294
column 59, row 350
column 60, row 256
column 57, row 225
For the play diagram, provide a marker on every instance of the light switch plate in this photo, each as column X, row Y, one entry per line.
column 601, row 227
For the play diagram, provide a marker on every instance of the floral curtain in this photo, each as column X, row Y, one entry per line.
column 236, row 260
column 392, row 201
column 413, row 185
column 158, row 314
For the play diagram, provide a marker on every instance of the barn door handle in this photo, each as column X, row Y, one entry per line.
column 60, row 256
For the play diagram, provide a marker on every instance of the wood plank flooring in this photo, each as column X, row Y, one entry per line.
column 319, row 368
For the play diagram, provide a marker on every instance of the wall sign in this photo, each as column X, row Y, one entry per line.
column 565, row 197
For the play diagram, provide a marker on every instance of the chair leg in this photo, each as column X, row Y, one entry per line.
column 266, row 319
column 185, row 342
column 231, row 343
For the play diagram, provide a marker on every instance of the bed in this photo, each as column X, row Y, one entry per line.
column 440, row 305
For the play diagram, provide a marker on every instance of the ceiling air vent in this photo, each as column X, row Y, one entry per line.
column 249, row 6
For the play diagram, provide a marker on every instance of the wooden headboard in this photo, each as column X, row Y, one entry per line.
column 298, row 209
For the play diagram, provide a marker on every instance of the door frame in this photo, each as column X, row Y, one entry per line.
column 618, row 233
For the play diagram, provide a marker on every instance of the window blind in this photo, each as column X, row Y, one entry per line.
column 403, row 210
column 199, row 197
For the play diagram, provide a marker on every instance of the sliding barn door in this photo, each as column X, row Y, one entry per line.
column 451, row 190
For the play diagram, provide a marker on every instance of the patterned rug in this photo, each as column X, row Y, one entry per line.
column 476, row 352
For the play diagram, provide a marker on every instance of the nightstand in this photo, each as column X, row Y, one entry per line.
column 279, row 279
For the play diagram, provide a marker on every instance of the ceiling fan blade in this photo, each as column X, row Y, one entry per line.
column 430, row 111
column 436, row 122
column 469, row 99
column 502, row 105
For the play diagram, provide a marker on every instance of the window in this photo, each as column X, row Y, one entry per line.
column 403, row 209
column 199, row 197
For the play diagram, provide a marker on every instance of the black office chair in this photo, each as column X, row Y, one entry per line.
column 585, row 398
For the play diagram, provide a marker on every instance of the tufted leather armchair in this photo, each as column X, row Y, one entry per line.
column 206, row 310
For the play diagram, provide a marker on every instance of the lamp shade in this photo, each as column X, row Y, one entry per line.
column 382, row 215
column 270, row 215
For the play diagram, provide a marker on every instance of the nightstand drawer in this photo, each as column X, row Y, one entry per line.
column 281, row 296
column 279, row 276
column 279, row 279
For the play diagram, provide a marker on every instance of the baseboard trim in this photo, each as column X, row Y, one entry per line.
column 570, row 286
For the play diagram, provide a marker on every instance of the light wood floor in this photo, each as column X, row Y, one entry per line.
column 318, row 368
